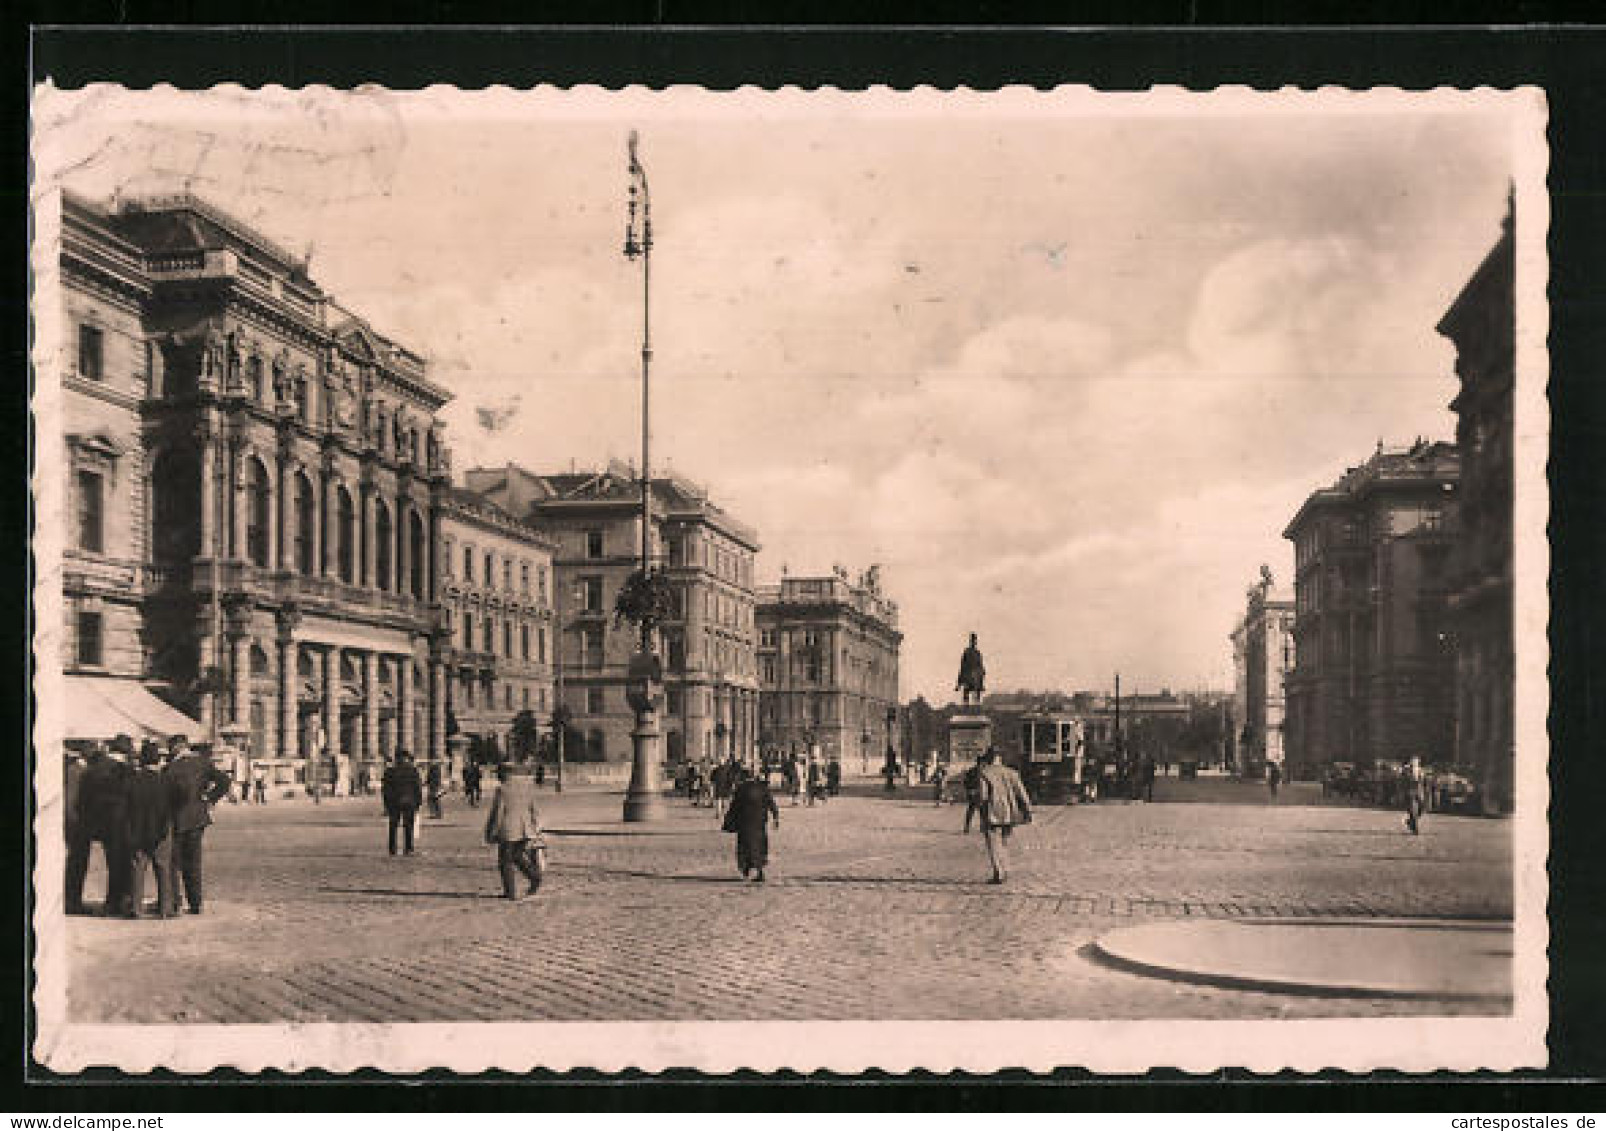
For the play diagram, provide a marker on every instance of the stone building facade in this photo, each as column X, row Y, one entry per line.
column 1372, row 668
column 1263, row 654
column 257, row 480
column 593, row 521
column 496, row 600
column 1482, row 325
column 828, row 668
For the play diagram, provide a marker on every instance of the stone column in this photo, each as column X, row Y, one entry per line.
column 287, row 514
column 331, row 539
column 237, row 498
column 240, row 661
column 403, row 666
column 208, row 496
column 316, row 533
column 368, row 549
column 275, row 500
column 287, row 697
column 437, row 708
column 370, row 722
column 404, row 548
column 331, row 702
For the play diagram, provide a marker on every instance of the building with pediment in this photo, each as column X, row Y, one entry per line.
column 258, row 482
column 593, row 521
column 828, row 668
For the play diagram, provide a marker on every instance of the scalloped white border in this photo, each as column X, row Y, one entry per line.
column 1410, row 1044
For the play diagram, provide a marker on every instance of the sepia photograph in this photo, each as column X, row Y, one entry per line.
column 780, row 579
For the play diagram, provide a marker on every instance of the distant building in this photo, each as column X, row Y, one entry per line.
column 496, row 598
column 828, row 667
column 1372, row 669
column 1482, row 324
column 255, row 477
column 1263, row 651
column 593, row 521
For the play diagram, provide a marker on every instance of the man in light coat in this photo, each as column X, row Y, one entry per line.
column 1003, row 804
column 514, row 826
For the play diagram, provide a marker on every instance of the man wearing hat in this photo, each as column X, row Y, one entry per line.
column 102, row 815
column 193, row 787
column 150, row 835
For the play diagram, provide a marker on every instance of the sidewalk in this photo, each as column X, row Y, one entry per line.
column 1438, row 960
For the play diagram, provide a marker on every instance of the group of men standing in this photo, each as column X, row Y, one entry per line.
column 148, row 810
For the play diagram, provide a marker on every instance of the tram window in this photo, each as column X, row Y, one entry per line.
column 1067, row 739
column 1043, row 738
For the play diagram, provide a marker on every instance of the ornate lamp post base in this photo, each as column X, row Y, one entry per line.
column 644, row 800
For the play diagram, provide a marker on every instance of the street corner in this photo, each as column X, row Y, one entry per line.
column 1462, row 961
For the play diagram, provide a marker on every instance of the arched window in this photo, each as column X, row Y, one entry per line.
column 383, row 541
column 259, row 500
column 176, row 509
column 345, row 560
column 306, row 516
column 416, row 536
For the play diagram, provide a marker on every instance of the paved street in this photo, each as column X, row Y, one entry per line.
column 875, row 909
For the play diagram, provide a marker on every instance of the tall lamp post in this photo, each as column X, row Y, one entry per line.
column 642, row 801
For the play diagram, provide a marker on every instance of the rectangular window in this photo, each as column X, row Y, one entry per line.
column 468, row 563
column 489, row 576
column 507, row 576
column 489, row 637
column 593, row 645
column 596, row 700
column 769, row 669
column 540, row 578
column 540, row 645
column 593, row 543
column 507, row 696
column 90, row 349
column 593, row 593
column 89, row 640
column 524, row 578
column 507, row 639
column 91, row 512
column 524, row 641
column 446, row 559
column 677, row 653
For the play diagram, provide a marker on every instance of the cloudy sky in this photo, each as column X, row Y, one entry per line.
column 1063, row 364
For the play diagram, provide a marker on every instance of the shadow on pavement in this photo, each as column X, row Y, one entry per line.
column 411, row 894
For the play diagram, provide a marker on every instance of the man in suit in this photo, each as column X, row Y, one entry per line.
column 402, row 792
column 514, row 826
column 150, row 835
column 194, row 785
column 1003, row 804
column 101, row 814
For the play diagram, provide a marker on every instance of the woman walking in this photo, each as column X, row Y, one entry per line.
column 751, row 803
column 1003, row 804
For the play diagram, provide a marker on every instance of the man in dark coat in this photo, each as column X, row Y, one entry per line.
column 194, row 785
column 833, row 777
column 436, row 789
column 402, row 792
column 101, row 815
column 751, row 804
column 150, row 835
column 471, row 783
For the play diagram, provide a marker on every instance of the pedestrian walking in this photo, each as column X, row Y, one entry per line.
column 1414, row 787
column 1146, row 777
column 815, row 784
column 752, row 806
column 436, row 790
column 194, row 785
column 939, row 780
column 540, row 774
column 150, row 836
column 724, row 782
column 100, row 816
column 402, row 792
column 1004, row 805
column 1274, row 778
column 833, row 777
column 471, row 784
column 259, row 783
column 971, row 780
column 513, row 824
column 792, row 779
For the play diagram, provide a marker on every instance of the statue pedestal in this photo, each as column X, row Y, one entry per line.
column 969, row 736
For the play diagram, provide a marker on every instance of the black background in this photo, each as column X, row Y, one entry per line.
column 1199, row 45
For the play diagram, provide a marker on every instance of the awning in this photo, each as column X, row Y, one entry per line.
column 103, row 707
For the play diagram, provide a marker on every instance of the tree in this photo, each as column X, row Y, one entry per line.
column 526, row 734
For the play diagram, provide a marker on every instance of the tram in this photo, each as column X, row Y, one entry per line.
column 1054, row 762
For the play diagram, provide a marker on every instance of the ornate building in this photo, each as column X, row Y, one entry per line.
column 496, row 598
column 1263, row 652
column 593, row 520
column 828, row 667
column 1371, row 674
column 1482, row 324
column 258, row 480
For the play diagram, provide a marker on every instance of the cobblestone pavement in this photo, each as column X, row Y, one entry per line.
column 875, row 909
